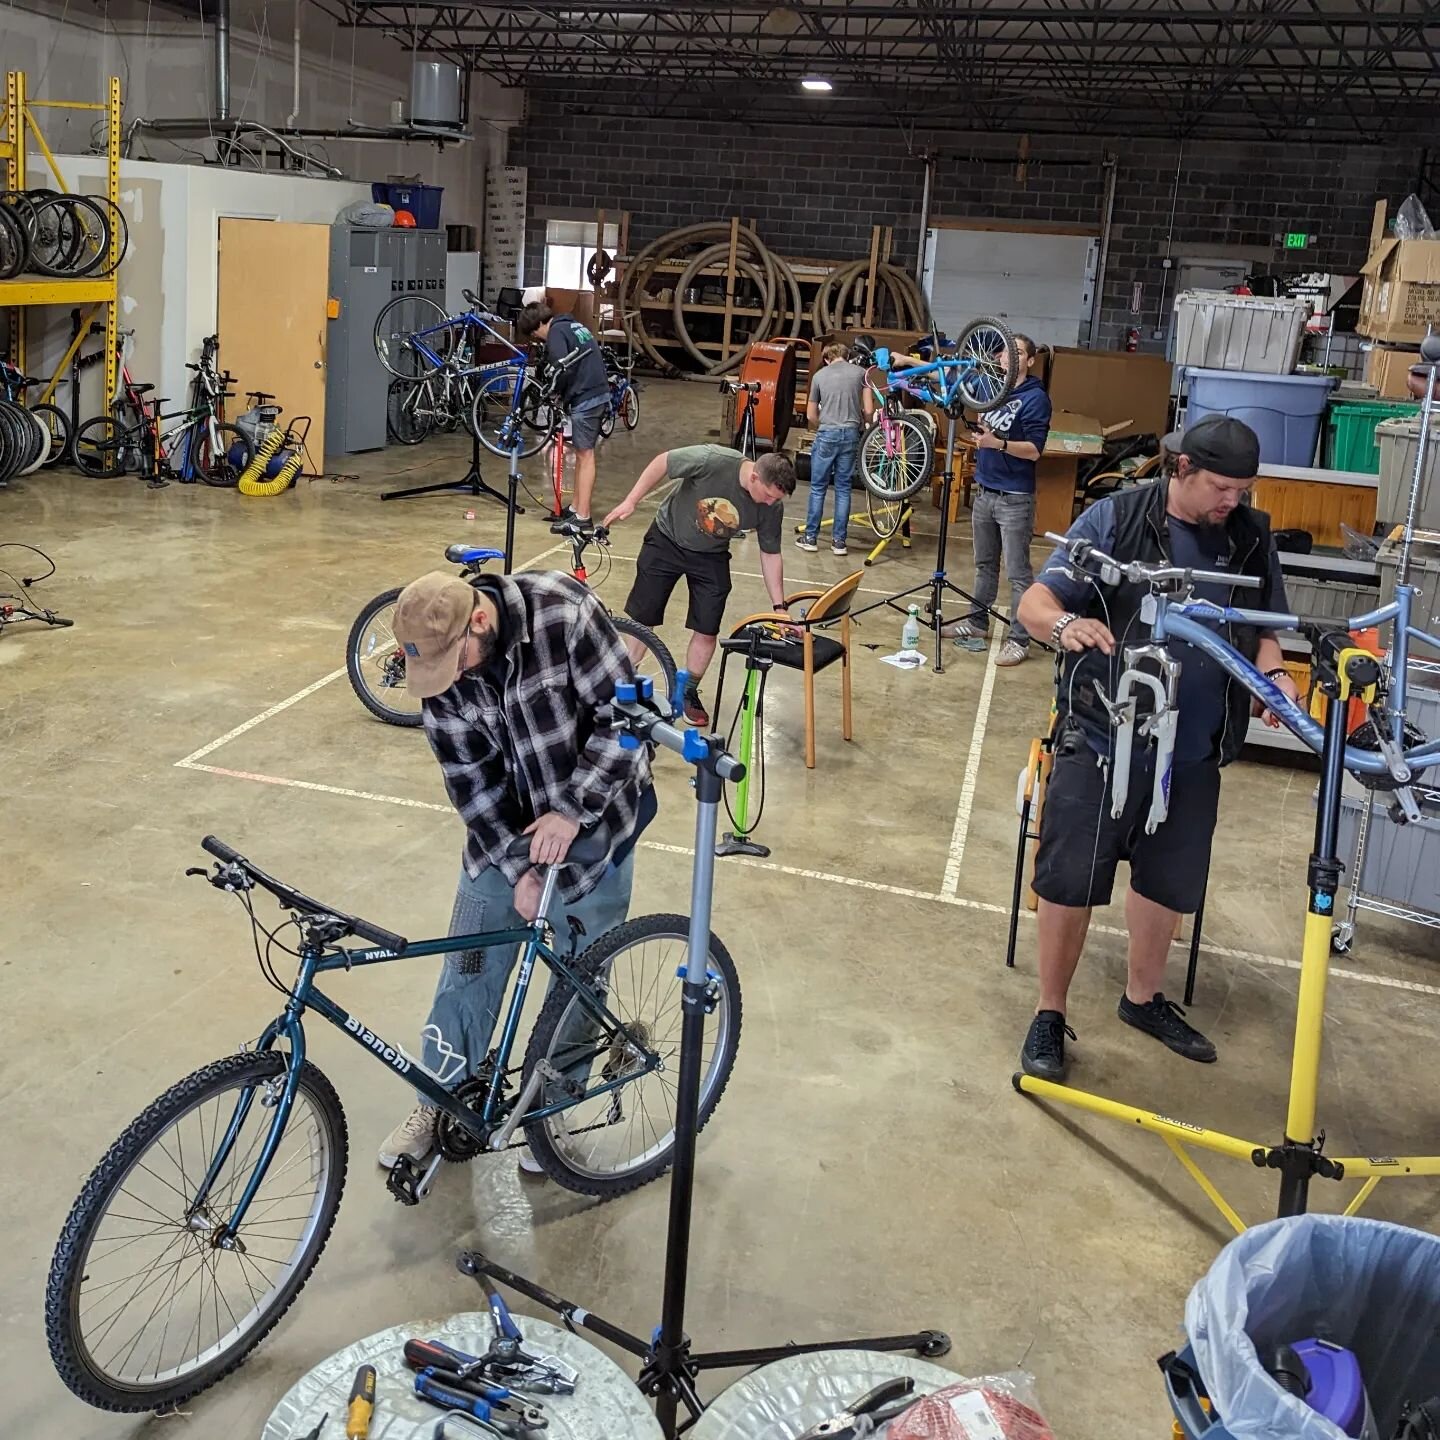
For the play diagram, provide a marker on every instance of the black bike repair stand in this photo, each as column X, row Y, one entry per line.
column 938, row 584
column 471, row 483
column 669, row 1369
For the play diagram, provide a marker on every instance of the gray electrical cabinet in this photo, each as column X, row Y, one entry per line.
column 368, row 269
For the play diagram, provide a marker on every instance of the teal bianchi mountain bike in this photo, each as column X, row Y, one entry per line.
column 204, row 1219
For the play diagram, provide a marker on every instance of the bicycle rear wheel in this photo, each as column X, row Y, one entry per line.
column 993, row 369
column 615, row 1142
column 142, row 1308
column 222, row 463
column 649, row 655
column 897, row 455
column 375, row 663
column 99, row 447
column 396, row 325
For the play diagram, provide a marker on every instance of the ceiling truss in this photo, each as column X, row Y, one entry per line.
column 1361, row 70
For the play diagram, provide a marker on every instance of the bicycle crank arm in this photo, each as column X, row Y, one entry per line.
column 542, row 1072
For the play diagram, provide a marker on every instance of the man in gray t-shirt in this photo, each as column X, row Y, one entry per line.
column 718, row 493
column 840, row 403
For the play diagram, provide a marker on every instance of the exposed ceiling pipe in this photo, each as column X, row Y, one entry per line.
column 222, row 59
column 293, row 117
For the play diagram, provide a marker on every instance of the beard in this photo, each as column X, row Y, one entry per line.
column 484, row 650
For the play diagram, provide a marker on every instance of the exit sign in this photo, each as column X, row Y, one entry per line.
column 1296, row 240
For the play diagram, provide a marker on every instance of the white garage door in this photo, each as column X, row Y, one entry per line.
column 1038, row 284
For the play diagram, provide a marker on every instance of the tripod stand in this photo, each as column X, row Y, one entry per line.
column 939, row 584
column 471, row 483
column 669, row 1369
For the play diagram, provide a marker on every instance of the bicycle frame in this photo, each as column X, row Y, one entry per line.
column 289, row 1027
column 942, row 378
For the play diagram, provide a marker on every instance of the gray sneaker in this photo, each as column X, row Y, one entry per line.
column 806, row 543
column 1012, row 652
column 413, row 1136
column 839, row 548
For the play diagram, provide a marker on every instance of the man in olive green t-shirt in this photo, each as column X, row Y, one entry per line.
column 719, row 494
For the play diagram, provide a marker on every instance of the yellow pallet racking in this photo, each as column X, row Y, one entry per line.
column 18, row 128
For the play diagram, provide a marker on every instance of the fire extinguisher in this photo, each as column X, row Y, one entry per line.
column 1132, row 340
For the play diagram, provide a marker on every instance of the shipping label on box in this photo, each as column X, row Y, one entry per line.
column 1401, row 298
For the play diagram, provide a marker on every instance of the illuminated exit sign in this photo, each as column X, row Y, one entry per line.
column 1296, row 240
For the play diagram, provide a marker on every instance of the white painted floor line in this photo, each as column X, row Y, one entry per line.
column 188, row 762
column 789, row 579
column 950, row 885
column 322, row 789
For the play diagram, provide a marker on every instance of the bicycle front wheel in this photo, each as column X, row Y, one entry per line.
column 409, row 418
column 991, row 364
column 99, row 447
column 491, row 420
column 649, row 655
column 222, row 462
column 897, row 454
column 630, row 409
column 375, row 663
column 885, row 514
column 142, row 1308
column 401, row 345
column 619, row 1140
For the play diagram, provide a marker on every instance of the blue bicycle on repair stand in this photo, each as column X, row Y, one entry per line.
column 201, row 1223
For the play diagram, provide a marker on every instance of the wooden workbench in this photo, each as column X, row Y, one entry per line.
column 1304, row 497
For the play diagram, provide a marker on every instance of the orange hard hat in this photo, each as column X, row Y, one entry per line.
column 404, row 219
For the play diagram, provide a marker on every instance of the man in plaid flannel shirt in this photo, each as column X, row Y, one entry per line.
column 510, row 672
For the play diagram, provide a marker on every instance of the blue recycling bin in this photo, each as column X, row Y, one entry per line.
column 1284, row 411
column 1371, row 1287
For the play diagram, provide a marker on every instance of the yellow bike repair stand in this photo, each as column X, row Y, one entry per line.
column 1344, row 672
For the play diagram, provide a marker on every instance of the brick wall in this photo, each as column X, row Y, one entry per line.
column 814, row 190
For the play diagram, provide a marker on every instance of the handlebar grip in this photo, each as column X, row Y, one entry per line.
column 221, row 851
column 385, row 939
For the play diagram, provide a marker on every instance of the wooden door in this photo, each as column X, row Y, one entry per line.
column 274, row 285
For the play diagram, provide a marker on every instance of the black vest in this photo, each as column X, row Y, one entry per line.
column 1141, row 534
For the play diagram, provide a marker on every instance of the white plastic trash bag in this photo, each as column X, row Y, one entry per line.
column 1369, row 1286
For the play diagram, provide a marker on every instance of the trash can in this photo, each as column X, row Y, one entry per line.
column 1371, row 1287
column 1283, row 410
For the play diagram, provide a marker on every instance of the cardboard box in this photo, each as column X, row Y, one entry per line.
column 1113, row 386
column 1401, row 298
column 1389, row 371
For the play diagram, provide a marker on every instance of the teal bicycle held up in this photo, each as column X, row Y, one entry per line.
column 205, row 1218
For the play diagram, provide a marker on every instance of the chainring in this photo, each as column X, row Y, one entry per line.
column 1365, row 737
column 452, row 1141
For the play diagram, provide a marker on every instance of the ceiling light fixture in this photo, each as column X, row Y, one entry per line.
column 816, row 84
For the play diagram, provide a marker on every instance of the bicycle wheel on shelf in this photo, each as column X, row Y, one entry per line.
column 99, row 447
column 992, row 368
column 14, row 242
column 397, row 325
column 142, row 1308
column 120, row 235
column 57, row 426
column 649, row 655
column 375, row 663
column 897, row 455
column 630, row 409
column 615, row 1142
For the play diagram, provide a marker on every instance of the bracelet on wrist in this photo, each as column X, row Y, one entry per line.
column 1058, row 629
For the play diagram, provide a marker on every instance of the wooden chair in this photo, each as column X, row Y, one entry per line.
column 828, row 609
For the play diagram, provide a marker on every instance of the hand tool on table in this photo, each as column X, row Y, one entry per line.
column 361, row 1405
column 506, row 1363
column 866, row 1415
column 320, row 1425
column 505, row 1416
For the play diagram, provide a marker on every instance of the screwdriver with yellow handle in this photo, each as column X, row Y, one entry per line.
column 361, row 1405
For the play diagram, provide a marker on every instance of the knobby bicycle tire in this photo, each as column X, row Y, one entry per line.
column 902, row 469
column 68, row 1349
column 664, row 660
column 355, row 665
column 593, row 968
column 985, row 388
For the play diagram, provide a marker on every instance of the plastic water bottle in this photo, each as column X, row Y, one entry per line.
column 910, row 631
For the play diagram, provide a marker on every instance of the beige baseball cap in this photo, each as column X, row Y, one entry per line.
column 431, row 618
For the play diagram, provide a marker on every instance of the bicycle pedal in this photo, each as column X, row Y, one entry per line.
column 410, row 1183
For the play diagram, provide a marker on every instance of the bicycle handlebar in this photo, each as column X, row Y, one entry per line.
column 297, row 900
column 1139, row 572
column 573, row 530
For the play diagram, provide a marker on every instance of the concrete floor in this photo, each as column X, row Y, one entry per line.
column 870, row 1168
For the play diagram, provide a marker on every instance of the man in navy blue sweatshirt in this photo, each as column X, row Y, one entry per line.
column 1003, row 514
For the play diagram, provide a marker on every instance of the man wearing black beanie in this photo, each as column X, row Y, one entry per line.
column 1196, row 517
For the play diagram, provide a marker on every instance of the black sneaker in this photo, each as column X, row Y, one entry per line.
column 1162, row 1019
column 695, row 712
column 1043, row 1055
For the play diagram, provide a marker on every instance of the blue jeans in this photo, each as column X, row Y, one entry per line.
column 1002, row 524
column 832, row 461
column 472, row 985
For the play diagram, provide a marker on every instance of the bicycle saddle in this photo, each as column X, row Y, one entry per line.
column 589, row 848
column 471, row 554
column 142, row 389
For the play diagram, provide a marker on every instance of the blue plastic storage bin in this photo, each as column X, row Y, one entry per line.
column 1285, row 411
column 422, row 201
column 1364, row 1284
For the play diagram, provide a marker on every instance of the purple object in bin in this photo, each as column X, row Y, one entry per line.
column 1337, row 1390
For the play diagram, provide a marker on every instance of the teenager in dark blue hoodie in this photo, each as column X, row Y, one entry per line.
column 1003, row 514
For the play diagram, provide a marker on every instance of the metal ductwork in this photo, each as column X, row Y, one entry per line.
column 222, row 59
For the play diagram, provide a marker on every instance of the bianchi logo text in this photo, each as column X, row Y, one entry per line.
column 387, row 1053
